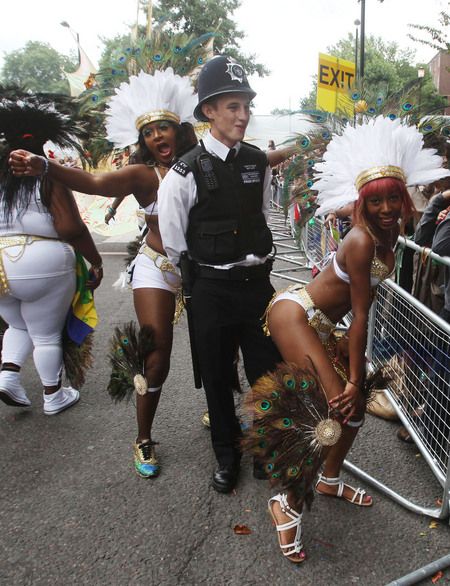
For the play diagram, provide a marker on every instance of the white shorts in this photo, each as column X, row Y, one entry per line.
column 153, row 270
column 316, row 318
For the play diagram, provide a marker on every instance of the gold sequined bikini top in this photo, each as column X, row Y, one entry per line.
column 379, row 271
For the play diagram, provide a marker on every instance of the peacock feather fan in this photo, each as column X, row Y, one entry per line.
column 127, row 355
column 292, row 427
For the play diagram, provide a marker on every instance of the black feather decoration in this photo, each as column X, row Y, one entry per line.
column 132, row 249
column 128, row 352
column 28, row 121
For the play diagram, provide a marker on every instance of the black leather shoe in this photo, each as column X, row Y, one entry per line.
column 224, row 479
column 258, row 470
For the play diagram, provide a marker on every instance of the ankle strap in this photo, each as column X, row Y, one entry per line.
column 329, row 480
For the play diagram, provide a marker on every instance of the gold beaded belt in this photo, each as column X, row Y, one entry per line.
column 165, row 266
column 318, row 320
column 15, row 240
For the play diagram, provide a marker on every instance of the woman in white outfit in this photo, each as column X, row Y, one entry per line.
column 40, row 227
column 155, row 112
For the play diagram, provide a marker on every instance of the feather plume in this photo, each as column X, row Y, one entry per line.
column 132, row 249
column 337, row 147
column 77, row 359
column 184, row 54
column 127, row 355
column 28, row 121
column 164, row 90
column 381, row 141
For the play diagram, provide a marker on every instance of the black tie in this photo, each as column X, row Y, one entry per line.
column 230, row 156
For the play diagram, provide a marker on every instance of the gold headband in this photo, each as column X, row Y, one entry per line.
column 156, row 116
column 378, row 173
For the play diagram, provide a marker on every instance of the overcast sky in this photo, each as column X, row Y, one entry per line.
column 285, row 35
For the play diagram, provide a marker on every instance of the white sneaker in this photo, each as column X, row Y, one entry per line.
column 62, row 399
column 11, row 391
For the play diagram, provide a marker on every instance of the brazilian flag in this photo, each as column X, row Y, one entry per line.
column 82, row 317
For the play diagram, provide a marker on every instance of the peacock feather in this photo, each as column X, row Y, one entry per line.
column 127, row 355
column 77, row 359
column 293, row 426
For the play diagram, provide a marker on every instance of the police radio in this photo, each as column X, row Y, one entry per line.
column 207, row 171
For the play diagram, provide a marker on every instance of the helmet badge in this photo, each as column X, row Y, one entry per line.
column 235, row 72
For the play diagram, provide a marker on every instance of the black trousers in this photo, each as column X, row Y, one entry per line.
column 227, row 313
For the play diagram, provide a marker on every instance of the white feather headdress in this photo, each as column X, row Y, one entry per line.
column 148, row 98
column 378, row 148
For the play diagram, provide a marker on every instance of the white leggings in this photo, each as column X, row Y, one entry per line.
column 42, row 285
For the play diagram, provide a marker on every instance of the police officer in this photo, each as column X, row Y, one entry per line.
column 214, row 203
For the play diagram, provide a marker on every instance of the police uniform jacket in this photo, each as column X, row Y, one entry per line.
column 224, row 227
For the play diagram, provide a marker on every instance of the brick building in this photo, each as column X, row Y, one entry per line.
column 440, row 72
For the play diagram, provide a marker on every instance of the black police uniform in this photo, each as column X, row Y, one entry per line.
column 225, row 225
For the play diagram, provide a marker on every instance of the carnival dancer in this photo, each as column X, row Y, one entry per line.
column 40, row 227
column 370, row 165
column 155, row 112
column 214, row 204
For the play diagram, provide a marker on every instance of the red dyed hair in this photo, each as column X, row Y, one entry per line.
column 378, row 187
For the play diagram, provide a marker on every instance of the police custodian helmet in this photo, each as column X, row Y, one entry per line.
column 220, row 75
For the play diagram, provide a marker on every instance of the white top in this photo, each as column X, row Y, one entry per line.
column 178, row 194
column 35, row 220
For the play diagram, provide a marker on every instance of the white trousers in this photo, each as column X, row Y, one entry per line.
column 41, row 279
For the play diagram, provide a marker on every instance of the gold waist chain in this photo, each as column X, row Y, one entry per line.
column 7, row 242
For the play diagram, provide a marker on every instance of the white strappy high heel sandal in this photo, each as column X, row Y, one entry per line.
column 296, row 547
column 358, row 493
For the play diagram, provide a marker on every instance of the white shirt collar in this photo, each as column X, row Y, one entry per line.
column 217, row 148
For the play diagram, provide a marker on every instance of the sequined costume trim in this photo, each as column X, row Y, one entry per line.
column 325, row 328
column 316, row 318
column 165, row 266
column 7, row 242
column 379, row 270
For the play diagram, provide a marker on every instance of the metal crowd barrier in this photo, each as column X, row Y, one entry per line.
column 416, row 343
column 289, row 248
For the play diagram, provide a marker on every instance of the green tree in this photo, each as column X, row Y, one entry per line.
column 388, row 71
column 38, row 67
column 435, row 37
column 193, row 18
column 197, row 17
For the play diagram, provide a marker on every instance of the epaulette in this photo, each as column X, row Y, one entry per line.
column 253, row 146
column 181, row 168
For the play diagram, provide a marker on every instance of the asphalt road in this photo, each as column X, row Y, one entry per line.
column 73, row 511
